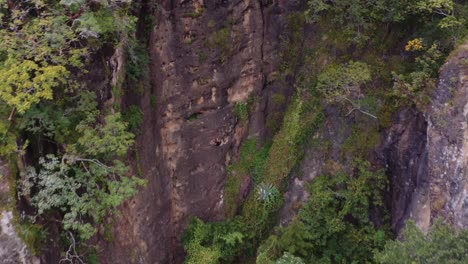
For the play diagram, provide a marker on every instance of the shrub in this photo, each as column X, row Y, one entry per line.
column 134, row 117
column 442, row 244
column 213, row 242
column 334, row 226
column 241, row 111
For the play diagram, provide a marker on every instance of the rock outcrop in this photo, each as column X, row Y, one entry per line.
column 12, row 248
column 426, row 154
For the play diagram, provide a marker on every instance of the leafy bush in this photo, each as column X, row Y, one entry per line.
column 212, row 243
column 241, row 111
column 134, row 117
column 252, row 162
column 7, row 140
column 442, row 244
column 334, row 226
column 342, row 84
column 138, row 60
column 222, row 40
column 86, row 182
column 33, row 235
column 415, row 87
column 359, row 18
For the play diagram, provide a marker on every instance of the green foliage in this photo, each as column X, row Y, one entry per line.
column 93, row 258
column 80, row 188
column 104, row 23
column 43, row 46
column 197, row 13
column 241, row 111
column 212, row 243
column 7, row 140
column 442, row 244
column 362, row 139
column 360, row 18
column 252, row 162
column 222, row 40
column 103, row 140
column 288, row 258
column 334, row 226
column 343, row 80
column 202, row 57
column 342, row 84
column 414, row 87
column 23, row 84
column 195, row 236
column 138, row 60
column 76, row 177
column 33, row 235
column 51, row 121
column 87, row 181
column 134, row 117
column 194, row 116
column 356, row 17
column 268, row 194
column 39, row 51
column 301, row 118
column 291, row 43
column 153, row 101
column 269, row 250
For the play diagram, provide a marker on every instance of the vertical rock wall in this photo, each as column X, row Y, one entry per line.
column 427, row 154
column 206, row 57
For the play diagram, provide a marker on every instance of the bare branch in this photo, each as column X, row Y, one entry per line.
column 71, row 256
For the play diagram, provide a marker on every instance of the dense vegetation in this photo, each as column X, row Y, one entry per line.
column 67, row 138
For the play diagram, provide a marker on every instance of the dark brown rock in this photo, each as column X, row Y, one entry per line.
column 192, row 134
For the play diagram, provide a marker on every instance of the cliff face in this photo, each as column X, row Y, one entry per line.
column 426, row 153
column 444, row 190
column 210, row 56
column 212, row 60
column 207, row 57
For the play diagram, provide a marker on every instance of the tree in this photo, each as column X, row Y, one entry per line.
column 84, row 190
column 442, row 244
column 7, row 140
column 77, row 176
column 446, row 9
column 334, row 225
column 43, row 45
column 25, row 83
column 342, row 84
column 87, row 182
column 358, row 19
column 212, row 242
column 415, row 86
